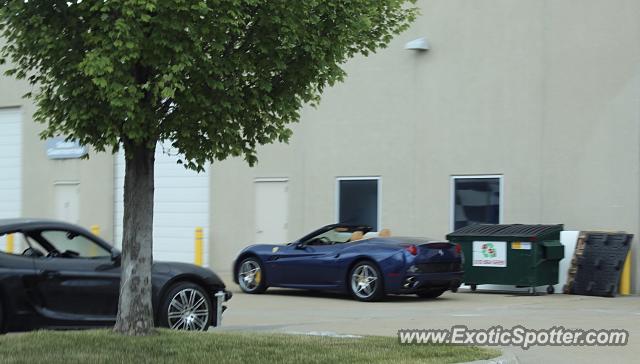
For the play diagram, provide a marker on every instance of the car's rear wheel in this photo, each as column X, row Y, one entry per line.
column 186, row 306
column 251, row 276
column 365, row 282
column 431, row 293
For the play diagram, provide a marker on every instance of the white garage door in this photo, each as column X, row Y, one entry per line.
column 10, row 165
column 181, row 205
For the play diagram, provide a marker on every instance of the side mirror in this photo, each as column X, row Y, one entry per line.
column 116, row 257
column 300, row 245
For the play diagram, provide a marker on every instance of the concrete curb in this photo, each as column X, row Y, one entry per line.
column 507, row 357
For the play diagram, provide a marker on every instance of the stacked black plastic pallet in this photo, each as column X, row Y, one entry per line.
column 598, row 267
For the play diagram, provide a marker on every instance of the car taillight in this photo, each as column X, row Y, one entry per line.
column 412, row 249
column 458, row 248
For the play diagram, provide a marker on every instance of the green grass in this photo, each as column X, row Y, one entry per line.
column 103, row 346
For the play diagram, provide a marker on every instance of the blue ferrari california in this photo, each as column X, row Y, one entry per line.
column 351, row 259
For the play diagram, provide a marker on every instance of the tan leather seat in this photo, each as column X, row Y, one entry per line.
column 356, row 235
column 384, row 233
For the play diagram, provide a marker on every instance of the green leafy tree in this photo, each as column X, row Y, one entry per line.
column 214, row 78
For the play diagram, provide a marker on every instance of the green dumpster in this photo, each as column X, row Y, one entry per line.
column 518, row 255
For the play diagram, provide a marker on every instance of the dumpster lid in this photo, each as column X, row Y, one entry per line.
column 506, row 231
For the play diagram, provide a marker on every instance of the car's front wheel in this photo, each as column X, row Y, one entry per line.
column 186, row 306
column 365, row 282
column 251, row 276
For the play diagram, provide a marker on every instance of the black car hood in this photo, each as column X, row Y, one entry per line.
column 178, row 268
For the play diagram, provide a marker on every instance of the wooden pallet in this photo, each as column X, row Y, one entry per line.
column 573, row 268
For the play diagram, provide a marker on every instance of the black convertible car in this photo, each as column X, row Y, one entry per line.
column 63, row 276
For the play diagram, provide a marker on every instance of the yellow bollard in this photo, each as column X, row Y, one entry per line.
column 625, row 278
column 9, row 247
column 93, row 250
column 199, row 246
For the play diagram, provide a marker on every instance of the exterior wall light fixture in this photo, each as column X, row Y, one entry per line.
column 420, row 44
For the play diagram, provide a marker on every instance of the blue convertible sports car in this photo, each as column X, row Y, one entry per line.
column 349, row 258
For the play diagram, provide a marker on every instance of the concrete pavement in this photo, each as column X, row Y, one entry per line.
column 282, row 310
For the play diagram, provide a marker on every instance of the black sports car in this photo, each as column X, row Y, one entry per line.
column 63, row 276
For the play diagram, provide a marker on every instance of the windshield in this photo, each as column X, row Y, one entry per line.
column 336, row 235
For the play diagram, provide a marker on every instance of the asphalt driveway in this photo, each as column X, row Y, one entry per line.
column 303, row 311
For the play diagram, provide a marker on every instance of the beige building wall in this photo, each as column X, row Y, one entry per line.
column 544, row 93
column 40, row 174
column 591, row 174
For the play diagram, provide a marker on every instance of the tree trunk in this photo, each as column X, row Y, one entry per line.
column 135, row 310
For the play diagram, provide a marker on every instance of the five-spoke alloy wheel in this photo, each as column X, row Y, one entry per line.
column 365, row 282
column 251, row 276
column 187, row 306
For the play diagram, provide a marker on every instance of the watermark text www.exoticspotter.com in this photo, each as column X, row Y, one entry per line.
column 515, row 336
